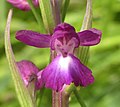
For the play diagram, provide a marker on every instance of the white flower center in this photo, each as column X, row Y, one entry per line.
column 64, row 62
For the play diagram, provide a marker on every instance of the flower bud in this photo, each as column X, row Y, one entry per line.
column 23, row 4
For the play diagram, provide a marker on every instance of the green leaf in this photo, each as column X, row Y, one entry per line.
column 87, row 22
column 21, row 90
column 80, row 100
column 64, row 9
column 37, row 16
column 47, row 15
column 83, row 51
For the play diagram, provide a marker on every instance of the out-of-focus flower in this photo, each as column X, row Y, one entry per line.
column 65, row 68
column 29, row 73
column 23, row 4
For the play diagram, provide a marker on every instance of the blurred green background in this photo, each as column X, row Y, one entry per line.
column 104, row 58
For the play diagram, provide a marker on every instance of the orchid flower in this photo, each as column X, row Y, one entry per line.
column 30, row 73
column 65, row 67
column 23, row 4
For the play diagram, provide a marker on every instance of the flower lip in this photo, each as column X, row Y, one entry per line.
column 65, row 70
column 64, row 62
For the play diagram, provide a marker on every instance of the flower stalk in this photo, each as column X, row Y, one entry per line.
column 65, row 99
column 80, row 100
column 56, row 11
column 59, row 99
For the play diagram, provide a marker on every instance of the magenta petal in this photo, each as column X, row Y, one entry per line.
column 23, row 4
column 28, row 71
column 55, row 76
column 64, row 30
column 36, row 3
column 33, row 38
column 64, row 70
column 80, row 73
column 89, row 37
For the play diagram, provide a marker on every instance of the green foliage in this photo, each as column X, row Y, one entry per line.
column 104, row 58
column 22, row 92
column 46, row 10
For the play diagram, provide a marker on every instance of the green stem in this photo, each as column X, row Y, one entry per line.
column 37, row 16
column 56, row 99
column 40, row 96
column 47, row 15
column 64, row 9
column 65, row 99
column 68, row 92
column 80, row 100
column 2, row 21
column 56, row 11
column 60, row 99
column 69, row 89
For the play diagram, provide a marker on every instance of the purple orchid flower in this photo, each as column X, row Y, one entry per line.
column 30, row 73
column 23, row 4
column 66, row 67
